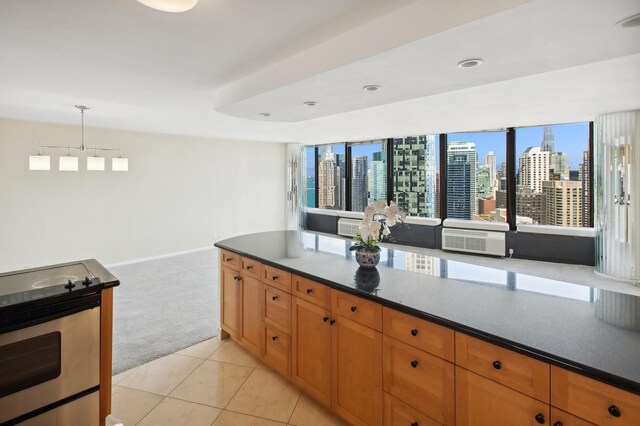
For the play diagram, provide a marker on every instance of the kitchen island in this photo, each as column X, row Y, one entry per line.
column 551, row 351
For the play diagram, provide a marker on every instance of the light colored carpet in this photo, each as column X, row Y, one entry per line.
column 164, row 305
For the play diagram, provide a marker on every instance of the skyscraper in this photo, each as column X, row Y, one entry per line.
column 533, row 168
column 490, row 163
column 559, row 163
column 547, row 140
column 530, row 204
column 359, row 183
column 586, row 189
column 378, row 177
column 414, row 168
column 462, row 164
column 327, row 183
column 563, row 202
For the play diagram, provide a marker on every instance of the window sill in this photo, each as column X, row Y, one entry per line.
column 569, row 231
column 415, row 220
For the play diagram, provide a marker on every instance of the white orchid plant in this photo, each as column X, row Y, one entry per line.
column 378, row 218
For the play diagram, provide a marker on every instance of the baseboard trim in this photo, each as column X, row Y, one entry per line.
column 161, row 256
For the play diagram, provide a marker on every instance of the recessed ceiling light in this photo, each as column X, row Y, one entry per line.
column 311, row 103
column 175, row 6
column 370, row 88
column 265, row 114
column 469, row 63
column 630, row 22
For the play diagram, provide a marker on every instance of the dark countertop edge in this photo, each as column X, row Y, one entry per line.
column 617, row 381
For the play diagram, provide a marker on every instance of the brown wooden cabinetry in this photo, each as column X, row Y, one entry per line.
column 481, row 402
column 311, row 360
column 331, row 345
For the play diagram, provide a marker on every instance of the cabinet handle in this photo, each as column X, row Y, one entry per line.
column 325, row 319
column 497, row 365
column 414, row 363
column 414, row 332
column 228, row 259
column 309, row 290
column 249, row 267
column 332, row 322
column 274, row 297
column 354, row 308
column 274, row 338
column 558, row 423
column 540, row 418
column 274, row 277
column 614, row 411
column 414, row 424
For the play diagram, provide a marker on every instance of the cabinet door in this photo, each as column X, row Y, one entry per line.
column 230, row 296
column 481, row 402
column 311, row 363
column 356, row 372
column 251, row 325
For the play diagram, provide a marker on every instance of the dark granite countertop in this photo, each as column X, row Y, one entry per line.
column 588, row 330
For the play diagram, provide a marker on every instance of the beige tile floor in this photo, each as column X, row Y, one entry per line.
column 213, row 383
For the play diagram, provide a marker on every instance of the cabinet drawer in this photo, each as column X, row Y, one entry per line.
column 519, row 372
column 277, row 278
column 422, row 380
column 592, row 400
column 277, row 350
column 251, row 267
column 230, row 259
column 397, row 413
column 429, row 337
column 560, row 418
column 277, row 308
column 357, row 309
column 482, row 402
column 312, row 291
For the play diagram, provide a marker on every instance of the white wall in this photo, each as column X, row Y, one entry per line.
column 180, row 193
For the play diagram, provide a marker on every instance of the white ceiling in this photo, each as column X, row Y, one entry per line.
column 212, row 70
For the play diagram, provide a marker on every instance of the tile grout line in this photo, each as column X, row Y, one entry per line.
column 294, row 408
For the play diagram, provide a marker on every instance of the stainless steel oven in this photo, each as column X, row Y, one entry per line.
column 50, row 355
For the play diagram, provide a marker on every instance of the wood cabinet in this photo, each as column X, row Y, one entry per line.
column 251, row 297
column 591, row 400
column 229, row 300
column 373, row 365
column 481, row 402
column 311, row 354
column 422, row 380
column 356, row 371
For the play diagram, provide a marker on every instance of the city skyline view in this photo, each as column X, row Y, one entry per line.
column 552, row 167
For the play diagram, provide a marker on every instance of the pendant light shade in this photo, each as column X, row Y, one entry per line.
column 170, row 5
column 119, row 164
column 68, row 163
column 95, row 164
column 39, row 162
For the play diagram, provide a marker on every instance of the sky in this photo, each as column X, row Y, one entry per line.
column 570, row 138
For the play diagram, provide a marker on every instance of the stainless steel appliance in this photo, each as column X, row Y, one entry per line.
column 50, row 345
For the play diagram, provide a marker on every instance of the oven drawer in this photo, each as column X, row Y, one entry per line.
column 72, row 347
column 82, row 411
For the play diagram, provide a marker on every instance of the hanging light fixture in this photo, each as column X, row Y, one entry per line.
column 170, row 5
column 69, row 163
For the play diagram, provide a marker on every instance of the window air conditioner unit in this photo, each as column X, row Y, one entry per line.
column 482, row 242
column 348, row 227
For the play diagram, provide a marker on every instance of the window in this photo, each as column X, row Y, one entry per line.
column 416, row 175
column 331, row 177
column 310, row 176
column 368, row 173
column 476, row 176
column 553, row 174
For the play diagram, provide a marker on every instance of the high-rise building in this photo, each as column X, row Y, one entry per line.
column 327, row 182
column 490, row 163
column 311, row 192
column 547, row 140
column 533, row 168
column 530, row 204
column 586, row 189
column 414, row 169
column 462, row 165
column 359, row 183
column 378, row 177
column 437, row 194
column 563, row 202
column 484, row 182
column 559, row 163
